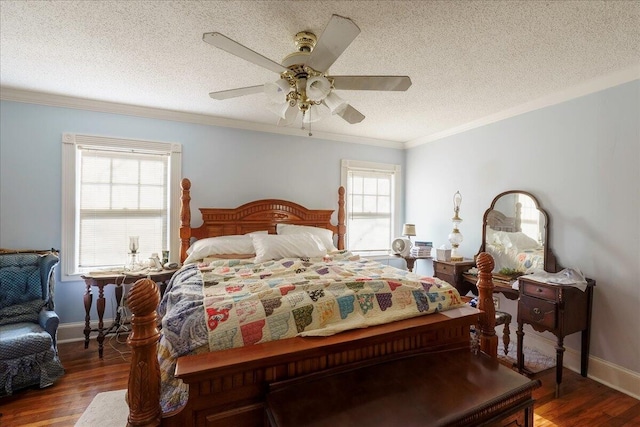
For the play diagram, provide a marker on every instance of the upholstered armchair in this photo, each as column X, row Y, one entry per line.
column 28, row 324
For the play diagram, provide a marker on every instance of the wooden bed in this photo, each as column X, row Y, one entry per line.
column 228, row 388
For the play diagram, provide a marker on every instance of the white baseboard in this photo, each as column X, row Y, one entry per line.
column 607, row 373
column 74, row 331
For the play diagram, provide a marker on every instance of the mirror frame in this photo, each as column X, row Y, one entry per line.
column 550, row 263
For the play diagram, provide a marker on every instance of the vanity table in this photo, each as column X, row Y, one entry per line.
column 502, row 284
column 515, row 233
column 559, row 309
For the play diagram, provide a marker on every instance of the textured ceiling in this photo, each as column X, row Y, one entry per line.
column 467, row 59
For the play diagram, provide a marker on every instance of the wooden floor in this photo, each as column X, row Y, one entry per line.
column 584, row 402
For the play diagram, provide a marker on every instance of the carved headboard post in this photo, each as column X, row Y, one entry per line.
column 342, row 227
column 185, row 218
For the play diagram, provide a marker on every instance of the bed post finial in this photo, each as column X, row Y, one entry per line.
column 342, row 228
column 488, row 338
column 143, row 390
column 185, row 218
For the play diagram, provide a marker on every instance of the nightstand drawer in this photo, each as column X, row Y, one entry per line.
column 539, row 290
column 451, row 272
column 537, row 311
column 441, row 268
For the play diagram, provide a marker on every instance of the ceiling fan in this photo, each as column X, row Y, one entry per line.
column 304, row 83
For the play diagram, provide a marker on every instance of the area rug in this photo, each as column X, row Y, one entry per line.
column 534, row 360
column 106, row 409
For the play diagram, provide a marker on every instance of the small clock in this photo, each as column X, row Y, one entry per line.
column 401, row 246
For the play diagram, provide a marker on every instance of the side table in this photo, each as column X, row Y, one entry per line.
column 411, row 260
column 451, row 271
column 102, row 279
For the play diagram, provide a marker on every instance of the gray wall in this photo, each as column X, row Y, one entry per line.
column 227, row 167
column 581, row 159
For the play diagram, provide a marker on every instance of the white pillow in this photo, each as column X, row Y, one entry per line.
column 517, row 239
column 273, row 246
column 236, row 244
column 522, row 241
column 326, row 236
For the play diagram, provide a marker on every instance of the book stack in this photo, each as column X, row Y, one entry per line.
column 421, row 249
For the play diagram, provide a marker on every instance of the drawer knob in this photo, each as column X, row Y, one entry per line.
column 539, row 290
column 536, row 310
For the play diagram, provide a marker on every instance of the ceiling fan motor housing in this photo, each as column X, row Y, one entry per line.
column 305, row 41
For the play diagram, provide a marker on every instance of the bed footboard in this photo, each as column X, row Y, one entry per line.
column 228, row 388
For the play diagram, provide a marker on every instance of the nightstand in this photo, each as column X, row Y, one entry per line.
column 411, row 260
column 451, row 271
column 559, row 309
column 102, row 279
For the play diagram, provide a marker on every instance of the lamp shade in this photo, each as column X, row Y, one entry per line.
column 409, row 230
column 277, row 91
column 315, row 113
column 289, row 116
column 335, row 103
column 318, row 88
column 278, row 108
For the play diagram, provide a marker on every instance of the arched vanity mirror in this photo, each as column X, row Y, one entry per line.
column 515, row 231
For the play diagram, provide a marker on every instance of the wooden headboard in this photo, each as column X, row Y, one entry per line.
column 500, row 222
column 259, row 215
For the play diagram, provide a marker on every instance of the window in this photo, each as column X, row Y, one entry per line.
column 372, row 191
column 530, row 217
column 112, row 189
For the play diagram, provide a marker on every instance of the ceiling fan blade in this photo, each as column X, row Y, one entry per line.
column 234, row 93
column 396, row 83
column 351, row 115
column 233, row 47
column 336, row 37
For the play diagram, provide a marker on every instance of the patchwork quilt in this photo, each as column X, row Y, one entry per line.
column 524, row 261
column 234, row 303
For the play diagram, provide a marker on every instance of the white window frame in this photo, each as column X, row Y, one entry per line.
column 396, row 170
column 70, row 144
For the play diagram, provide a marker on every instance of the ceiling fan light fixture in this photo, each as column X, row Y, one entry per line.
column 311, row 61
column 279, row 108
column 315, row 113
column 335, row 104
column 277, row 91
column 318, row 88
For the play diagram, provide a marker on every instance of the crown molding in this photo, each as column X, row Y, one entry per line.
column 54, row 100
column 591, row 86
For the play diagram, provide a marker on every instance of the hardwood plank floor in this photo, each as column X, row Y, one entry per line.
column 63, row 403
column 583, row 403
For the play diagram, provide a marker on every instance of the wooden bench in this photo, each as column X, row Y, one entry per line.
column 452, row 388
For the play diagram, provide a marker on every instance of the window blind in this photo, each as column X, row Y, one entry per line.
column 121, row 194
column 369, row 210
column 114, row 188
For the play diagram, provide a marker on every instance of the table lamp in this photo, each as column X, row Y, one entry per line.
column 455, row 237
column 409, row 230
